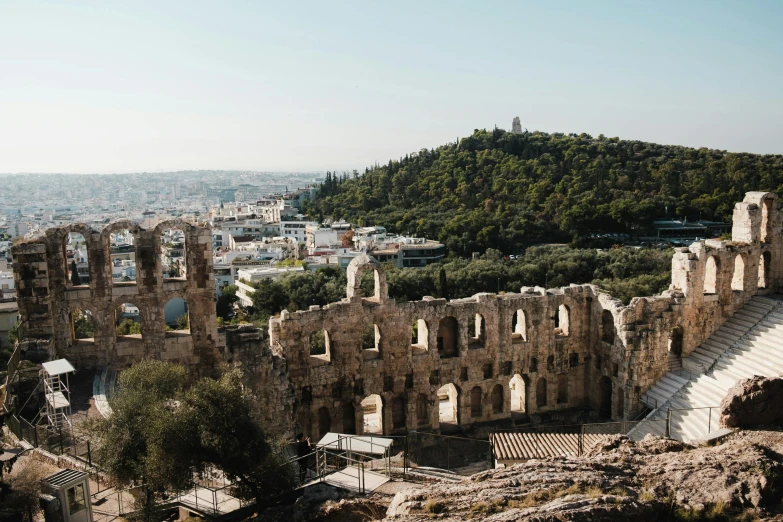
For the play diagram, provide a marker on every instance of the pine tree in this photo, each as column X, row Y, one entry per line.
column 443, row 284
column 75, row 279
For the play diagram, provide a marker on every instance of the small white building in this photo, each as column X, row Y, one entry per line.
column 253, row 275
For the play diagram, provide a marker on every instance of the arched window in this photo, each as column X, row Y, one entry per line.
column 477, row 332
column 605, row 398
column 448, row 404
column 448, row 337
column 176, row 316
column 765, row 264
column 562, row 321
column 675, row 348
column 550, row 363
column 419, row 336
column 128, row 322
column 711, row 274
column 738, row 279
column 324, row 421
column 607, row 326
column 173, row 254
column 518, row 326
column 398, row 413
column 122, row 252
column 497, row 399
column 541, row 392
column 533, row 365
column 518, row 390
column 422, row 413
column 475, row 402
column 562, row 388
column 320, row 346
column 372, row 410
column 77, row 265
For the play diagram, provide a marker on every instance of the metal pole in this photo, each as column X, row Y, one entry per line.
column 668, row 423
column 709, row 422
column 61, row 439
column 89, row 454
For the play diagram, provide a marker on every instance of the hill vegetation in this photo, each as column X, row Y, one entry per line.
column 505, row 191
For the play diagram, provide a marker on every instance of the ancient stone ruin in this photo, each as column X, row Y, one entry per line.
column 373, row 365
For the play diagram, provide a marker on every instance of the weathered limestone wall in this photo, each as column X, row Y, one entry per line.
column 537, row 351
column 49, row 299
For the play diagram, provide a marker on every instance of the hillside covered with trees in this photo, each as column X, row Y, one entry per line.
column 505, row 191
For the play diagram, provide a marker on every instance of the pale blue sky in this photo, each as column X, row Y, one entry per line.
column 120, row 87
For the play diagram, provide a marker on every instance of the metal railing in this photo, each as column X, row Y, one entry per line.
column 447, row 452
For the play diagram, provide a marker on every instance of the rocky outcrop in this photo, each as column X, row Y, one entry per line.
column 753, row 402
column 621, row 480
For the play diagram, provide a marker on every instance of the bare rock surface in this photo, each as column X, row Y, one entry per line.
column 753, row 402
column 618, row 480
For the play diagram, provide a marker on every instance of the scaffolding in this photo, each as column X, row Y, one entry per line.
column 58, row 396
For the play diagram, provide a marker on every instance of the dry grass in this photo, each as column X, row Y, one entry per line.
column 434, row 507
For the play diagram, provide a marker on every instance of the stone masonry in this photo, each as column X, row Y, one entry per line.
column 357, row 366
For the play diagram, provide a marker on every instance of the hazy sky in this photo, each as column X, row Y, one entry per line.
column 286, row 85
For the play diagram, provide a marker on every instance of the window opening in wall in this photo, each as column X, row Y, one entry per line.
column 176, row 316
column 766, row 220
column 173, row 254
column 368, row 283
column 711, row 271
column 475, row 402
column 448, row 400
column 607, row 327
column 598, row 362
column 675, row 348
column 448, row 336
column 358, row 387
column 476, row 332
column 518, row 390
column 463, row 373
column 419, row 336
column 349, row 419
column 319, row 345
column 518, row 327
column 487, row 370
column 435, row 377
column 398, row 413
column 562, row 388
column 562, row 321
column 738, row 278
column 82, row 325
column 605, row 398
column 337, row 389
column 573, row 360
column 541, row 392
column 550, row 363
column 128, row 321
column 533, row 365
column 388, row 383
column 307, row 395
column 765, row 264
column 409, row 381
column 324, row 421
column 496, row 398
column 77, row 262
column 372, row 410
column 371, row 340
column 620, row 403
column 615, row 369
column 422, row 414
column 506, row 368
column 122, row 252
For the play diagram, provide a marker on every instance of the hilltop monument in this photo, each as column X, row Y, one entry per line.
column 516, row 126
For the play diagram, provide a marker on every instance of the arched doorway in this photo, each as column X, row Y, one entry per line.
column 475, row 402
column 398, row 413
column 372, row 411
column 324, row 421
column 541, row 392
column 497, row 399
column 448, row 336
column 518, row 394
column 675, row 349
column 448, row 405
column 765, row 263
column 605, row 398
column 349, row 419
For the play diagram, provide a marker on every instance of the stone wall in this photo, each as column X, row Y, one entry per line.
column 356, row 365
column 48, row 300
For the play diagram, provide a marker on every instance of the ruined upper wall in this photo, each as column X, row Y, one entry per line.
column 47, row 298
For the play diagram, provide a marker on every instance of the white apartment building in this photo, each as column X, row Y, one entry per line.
column 296, row 229
column 253, row 275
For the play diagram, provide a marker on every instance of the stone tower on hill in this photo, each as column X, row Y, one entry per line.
column 516, row 126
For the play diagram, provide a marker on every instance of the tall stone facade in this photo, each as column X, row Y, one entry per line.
column 373, row 365
column 48, row 300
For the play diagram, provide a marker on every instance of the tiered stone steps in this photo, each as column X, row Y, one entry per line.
column 748, row 344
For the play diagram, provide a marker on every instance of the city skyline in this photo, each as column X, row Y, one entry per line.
column 114, row 88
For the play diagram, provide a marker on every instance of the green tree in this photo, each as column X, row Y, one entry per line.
column 75, row 279
column 226, row 300
column 128, row 327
